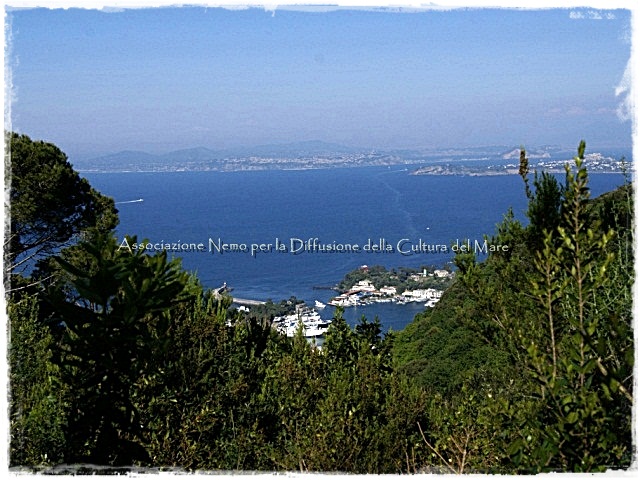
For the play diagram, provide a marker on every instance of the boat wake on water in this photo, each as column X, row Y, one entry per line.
column 131, row 201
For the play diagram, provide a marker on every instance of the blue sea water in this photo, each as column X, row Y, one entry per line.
column 378, row 206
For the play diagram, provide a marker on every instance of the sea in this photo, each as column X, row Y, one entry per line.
column 274, row 234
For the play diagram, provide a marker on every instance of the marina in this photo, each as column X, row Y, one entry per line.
column 275, row 211
column 305, row 318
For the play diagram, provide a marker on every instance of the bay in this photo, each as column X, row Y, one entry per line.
column 413, row 220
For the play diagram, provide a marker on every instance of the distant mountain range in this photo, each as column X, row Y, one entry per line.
column 303, row 155
column 198, row 154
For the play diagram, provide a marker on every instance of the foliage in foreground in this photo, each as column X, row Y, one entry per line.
column 537, row 341
column 157, row 371
column 50, row 204
column 525, row 365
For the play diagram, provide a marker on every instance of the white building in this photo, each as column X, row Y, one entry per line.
column 363, row 286
column 387, row 290
column 420, row 295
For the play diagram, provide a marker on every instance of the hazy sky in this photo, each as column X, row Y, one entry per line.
column 159, row 79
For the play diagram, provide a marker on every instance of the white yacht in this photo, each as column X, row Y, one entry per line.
column 312, row 324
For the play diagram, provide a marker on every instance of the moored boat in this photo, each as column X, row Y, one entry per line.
column 308, row 319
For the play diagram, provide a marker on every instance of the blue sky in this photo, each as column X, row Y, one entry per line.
column 160, row 79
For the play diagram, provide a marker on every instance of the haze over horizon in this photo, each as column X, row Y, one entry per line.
column 96, row 82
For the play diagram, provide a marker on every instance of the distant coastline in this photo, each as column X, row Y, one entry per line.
column 594, row 162
column 472, row 161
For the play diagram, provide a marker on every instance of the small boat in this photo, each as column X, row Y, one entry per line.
column 319, row 304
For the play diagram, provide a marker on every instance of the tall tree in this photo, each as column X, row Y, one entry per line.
column 50, row 204
column 584, row 365
column 115, row 319
column 544, row 209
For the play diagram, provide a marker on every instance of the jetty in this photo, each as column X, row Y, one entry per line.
column 217, row 292
column 247, row 302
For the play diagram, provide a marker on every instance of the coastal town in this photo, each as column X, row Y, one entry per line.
column 362, row 286
column 488, row 160
column 365, row 293
column 595, row 163
column 384, row 287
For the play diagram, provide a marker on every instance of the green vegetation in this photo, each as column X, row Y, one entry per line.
column 50, row 205
column 122, row 359
column 403, row 278
column 537, row 341
column 269, row 310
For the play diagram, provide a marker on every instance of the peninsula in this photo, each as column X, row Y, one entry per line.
column 367, row 285
column 594, row 162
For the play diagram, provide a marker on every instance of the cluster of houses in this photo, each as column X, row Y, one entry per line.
column 364, row 293
column 436, row 273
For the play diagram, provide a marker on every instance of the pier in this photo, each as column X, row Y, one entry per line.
column 238, row 301
column 247, row 302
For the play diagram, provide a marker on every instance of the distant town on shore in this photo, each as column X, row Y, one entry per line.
column 486, row 160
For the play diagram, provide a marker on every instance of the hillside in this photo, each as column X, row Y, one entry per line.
column 538, row 342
